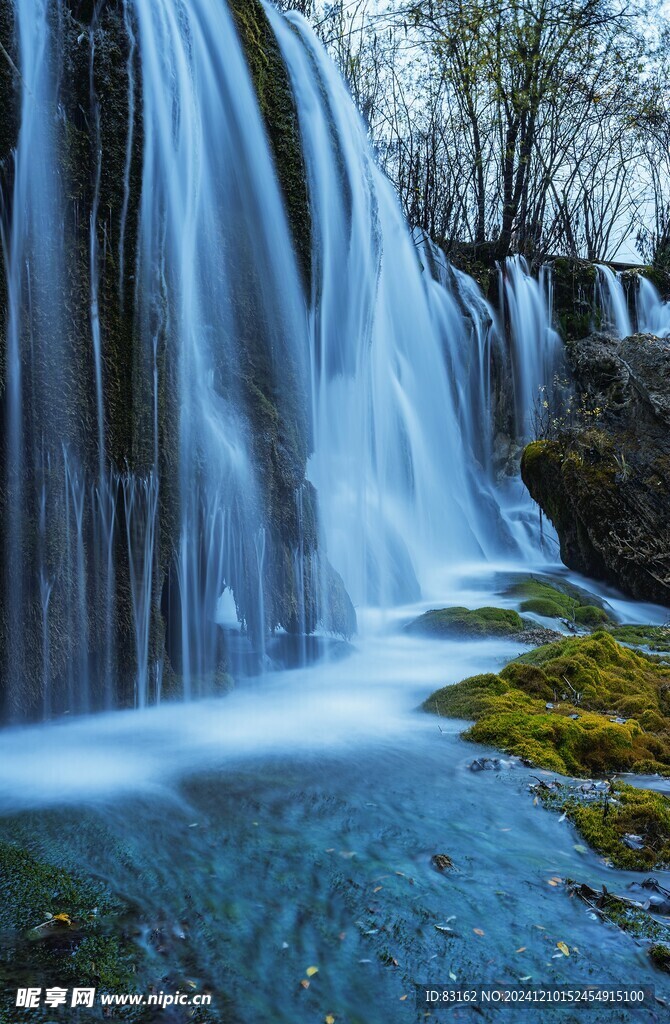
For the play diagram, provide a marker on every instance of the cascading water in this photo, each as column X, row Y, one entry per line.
column 611, row 299
column 653, row 314
column 401, row 369
column 160, row 529
column 536, row 350
column 212, row 220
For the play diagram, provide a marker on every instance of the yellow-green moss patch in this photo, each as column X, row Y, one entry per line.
column 559, row 601
column 465, row 622
column 628, row 825
column 581, row 706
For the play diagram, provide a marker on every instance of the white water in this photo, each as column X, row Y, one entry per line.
column 653, row 314
column 613, row 303
column 401, row 367
column 348, row 705
column 390, row 368
column 536, row 349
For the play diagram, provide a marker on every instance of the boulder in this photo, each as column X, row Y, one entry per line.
column 604, row 481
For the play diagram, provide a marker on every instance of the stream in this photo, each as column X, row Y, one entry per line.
column 293, row 823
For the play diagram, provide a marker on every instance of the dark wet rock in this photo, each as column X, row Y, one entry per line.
column 442, row 861
column 628, row 914
column 293, row 650
column 605, row 483
column 574, row 283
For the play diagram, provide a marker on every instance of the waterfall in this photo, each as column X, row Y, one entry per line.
column 535, row 347
column 401, row 366
column 653, row 314
column 612, row 301
column 203, row 436
column 212, row 220
column 36, row 360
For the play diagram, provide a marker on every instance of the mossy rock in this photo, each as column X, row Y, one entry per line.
column 464, row 622
column 630, row 811
column 654, row 638
column 580, row 706
column 659, row 954
column 86, row 947
column 559, row 601
column 574, row 283
column 627, row 824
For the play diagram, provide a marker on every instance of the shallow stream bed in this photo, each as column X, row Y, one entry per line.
column 293, row 824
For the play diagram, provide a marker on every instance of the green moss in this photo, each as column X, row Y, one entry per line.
column 591, row 616
column 464, row 622
column 558, row 601
column 84, row 952
column 660, row 956
column 277, row 104
column 621, row 912
column 628, row 811
column 590, row 682
column 655, row 638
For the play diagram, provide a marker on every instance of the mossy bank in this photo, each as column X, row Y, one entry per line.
column 581, row 707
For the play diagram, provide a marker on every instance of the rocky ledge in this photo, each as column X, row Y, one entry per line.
column 604, row 479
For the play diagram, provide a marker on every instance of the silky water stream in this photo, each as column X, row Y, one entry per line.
column 293, row 824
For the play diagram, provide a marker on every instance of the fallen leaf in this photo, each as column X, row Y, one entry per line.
column 526, row 977
column 403, row 998
column 329, row 1019
column 478, row 931
column 563, row 948
column 311, row 971
column 377, row 888
column 580, row 848
column 521, row 949
column 452, row 975
column 304, row 983
column 552, row 881
column 62, row 918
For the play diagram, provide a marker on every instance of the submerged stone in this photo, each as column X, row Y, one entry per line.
column 57, row 928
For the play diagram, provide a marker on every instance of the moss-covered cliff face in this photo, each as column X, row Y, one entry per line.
column 605, row 484
column 96, row 114
column 277, row 106
column 574, row 284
